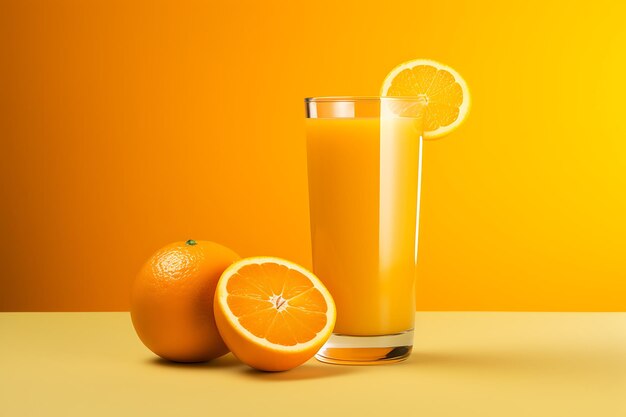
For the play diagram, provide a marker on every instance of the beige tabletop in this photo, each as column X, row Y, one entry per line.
column 463, row 364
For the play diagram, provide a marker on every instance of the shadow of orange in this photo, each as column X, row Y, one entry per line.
column 308, row 371
column 226, row 361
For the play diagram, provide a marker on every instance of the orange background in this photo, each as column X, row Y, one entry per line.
column 127, row 125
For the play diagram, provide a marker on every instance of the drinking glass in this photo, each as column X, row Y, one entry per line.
column 364, row 169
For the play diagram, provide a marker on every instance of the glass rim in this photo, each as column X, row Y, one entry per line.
column 352, row 99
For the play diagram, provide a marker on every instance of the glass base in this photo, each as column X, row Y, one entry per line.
column 366, row 350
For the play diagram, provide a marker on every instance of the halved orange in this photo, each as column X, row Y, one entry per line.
column 272, row 313
column 444, row 92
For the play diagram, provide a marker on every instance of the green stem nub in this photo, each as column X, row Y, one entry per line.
column 191, row 242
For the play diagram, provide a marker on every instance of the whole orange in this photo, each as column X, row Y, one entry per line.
column 172, row 301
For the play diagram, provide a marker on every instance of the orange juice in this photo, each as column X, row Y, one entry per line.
column 363, row 191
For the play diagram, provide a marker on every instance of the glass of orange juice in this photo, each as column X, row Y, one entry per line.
column 364, row 168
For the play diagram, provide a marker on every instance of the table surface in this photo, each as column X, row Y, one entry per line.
column 463, row 364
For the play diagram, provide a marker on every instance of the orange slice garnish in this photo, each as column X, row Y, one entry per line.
column 444, row 92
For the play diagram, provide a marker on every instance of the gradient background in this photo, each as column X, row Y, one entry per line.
column 127, row 125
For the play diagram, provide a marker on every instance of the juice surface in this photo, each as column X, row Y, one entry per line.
column 363, row 192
